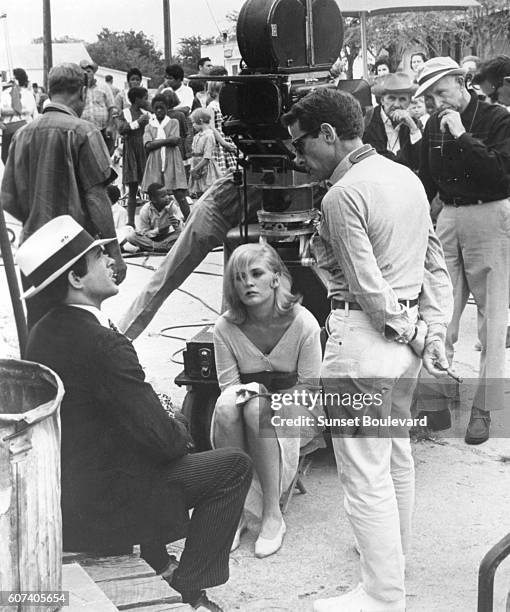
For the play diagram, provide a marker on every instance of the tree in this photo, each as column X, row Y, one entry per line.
column 483, row 31
column 124, row 50
column 189, row 52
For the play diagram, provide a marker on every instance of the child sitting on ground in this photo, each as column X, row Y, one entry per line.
column 204, row 169
column 159, row 223
column 120, row 219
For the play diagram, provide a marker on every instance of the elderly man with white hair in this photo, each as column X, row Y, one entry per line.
column 466, row 159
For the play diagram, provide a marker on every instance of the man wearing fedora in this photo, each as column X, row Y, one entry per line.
column 100, row 106
column 466, row 159
column 58, row 164
column 392, row 131
column 127, row 477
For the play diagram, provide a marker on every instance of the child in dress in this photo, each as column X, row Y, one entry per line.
column 204, row 169
column 164, row 159
column 172, row 101
column 224, row 152
column 132, row 122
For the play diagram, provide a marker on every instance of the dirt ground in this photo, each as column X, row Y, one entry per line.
column 462, row 492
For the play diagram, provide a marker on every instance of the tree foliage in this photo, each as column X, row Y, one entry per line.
column 124, row 50
column 188, row 52
column 482, row 31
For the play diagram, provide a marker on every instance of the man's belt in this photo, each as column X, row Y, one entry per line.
column 341, row 304
column 461, row 201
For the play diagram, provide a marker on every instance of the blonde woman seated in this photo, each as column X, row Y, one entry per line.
column 265, row 341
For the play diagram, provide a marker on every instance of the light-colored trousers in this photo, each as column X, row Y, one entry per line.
column 476, row 244
column 377, row 473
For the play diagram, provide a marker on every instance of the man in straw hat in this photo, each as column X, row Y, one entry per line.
column 466, row 159
column 100, row 106
column 392, row 131
column 58, row 164
column 127, row 477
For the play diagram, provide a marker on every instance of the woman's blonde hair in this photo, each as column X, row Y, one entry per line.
column 239, row 263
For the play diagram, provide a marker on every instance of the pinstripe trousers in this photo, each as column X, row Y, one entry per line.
column 215, row 484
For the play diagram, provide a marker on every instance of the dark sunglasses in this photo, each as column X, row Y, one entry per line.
column 298, row 143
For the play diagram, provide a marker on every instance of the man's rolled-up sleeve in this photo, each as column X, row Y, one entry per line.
column 436, row 296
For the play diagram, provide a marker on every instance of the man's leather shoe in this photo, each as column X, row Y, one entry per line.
column 437, row 420
column 204, row 604
column 478, row 427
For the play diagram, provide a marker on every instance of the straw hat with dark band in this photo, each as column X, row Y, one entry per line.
column 435, row 69
column 393, row 83
column 52, row 250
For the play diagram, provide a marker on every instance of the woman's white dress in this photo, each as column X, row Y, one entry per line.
column 299, row 351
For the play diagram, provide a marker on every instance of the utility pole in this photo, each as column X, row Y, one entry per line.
column 47, row 50
column 168, row 31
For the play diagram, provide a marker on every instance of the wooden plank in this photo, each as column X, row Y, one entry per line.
column 84, row 594
column 126, row 594
column 179, row 607
column 101, row 569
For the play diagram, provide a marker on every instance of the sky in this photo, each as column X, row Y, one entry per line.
column 85, row 18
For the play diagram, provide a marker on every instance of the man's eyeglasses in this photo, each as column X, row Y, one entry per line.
column 298, row 143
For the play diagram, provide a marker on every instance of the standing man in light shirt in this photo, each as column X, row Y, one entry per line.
column 100, row 106
column 391, row 302
column 174, row 80
column 199, row 88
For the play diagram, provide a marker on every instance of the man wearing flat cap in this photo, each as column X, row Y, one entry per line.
column 100, row 106
column 392, row 131
column 465, row 158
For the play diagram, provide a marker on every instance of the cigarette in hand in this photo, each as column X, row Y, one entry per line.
column 450, row 372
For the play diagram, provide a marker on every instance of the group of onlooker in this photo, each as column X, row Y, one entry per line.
column 176, row 140
column 460, row 157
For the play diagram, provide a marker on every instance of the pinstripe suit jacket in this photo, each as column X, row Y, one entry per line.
column 117, row 440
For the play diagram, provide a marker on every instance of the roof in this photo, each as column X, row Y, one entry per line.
column 30, row 57
column 352, row 8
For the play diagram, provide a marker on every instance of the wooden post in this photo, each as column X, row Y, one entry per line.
column 364, row 49
column 47, row 50
column 168, row 31
column 12, row 283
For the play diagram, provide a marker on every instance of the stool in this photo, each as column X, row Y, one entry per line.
column 305, row 461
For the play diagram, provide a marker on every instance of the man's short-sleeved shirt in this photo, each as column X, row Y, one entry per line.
column 52, row 162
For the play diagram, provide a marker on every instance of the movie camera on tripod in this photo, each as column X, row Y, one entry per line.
column 288, row 48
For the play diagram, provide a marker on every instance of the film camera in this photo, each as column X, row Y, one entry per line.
column 287, row 47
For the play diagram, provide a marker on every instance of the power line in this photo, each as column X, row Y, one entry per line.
column 213, row 18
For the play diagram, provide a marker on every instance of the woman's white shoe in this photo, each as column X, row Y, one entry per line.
column 241, row 528
column 268, row 546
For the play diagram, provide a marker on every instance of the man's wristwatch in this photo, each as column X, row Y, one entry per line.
column 406, row 338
